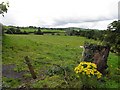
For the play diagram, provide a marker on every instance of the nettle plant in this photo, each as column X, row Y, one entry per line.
column 88, row 74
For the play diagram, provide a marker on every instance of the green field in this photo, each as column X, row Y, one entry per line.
column 43, row 30
column 46, row 51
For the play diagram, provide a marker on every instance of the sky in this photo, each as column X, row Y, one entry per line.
column 92, row 14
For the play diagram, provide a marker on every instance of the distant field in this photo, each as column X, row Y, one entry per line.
column 62, row 50
column 43, row 30
column 28, row 30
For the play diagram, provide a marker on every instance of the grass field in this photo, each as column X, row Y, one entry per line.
column 44, row 51
column 43, row 30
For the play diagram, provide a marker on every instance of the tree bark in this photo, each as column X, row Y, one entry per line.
column 97, row 54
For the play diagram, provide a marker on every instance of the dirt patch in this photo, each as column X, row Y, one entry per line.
column 8, row 71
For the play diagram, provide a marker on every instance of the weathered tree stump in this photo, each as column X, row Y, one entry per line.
column 97, row 54
column 30, row 67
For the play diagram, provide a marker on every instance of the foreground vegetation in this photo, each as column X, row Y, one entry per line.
column 50, row 56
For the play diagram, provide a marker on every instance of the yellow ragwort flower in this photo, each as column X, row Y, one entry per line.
column 88, row 68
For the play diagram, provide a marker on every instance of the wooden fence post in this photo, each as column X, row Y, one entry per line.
column 30, row 67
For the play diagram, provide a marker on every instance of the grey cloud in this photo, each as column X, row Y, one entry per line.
column 119, row 10
column 64, row 21
column 8, row 20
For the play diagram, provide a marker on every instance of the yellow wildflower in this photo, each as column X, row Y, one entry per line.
column 92, row 72
column 99, row 75
column 94, row 65
column 88, row 68
column 88, row 72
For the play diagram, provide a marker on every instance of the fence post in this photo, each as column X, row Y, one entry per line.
column 30, row 67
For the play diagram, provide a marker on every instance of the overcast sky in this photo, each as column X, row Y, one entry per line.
column 95, row 14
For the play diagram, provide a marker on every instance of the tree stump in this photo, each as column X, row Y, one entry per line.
column 97, row 54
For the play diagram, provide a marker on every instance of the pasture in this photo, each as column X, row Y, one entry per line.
column 46, row 52
column 43, row 30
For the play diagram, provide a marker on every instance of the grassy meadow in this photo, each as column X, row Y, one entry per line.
column 43, row 30
column 45, row 52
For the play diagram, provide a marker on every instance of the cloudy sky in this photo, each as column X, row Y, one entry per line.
column 95, row 14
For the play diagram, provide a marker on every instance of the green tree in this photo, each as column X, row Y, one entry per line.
column 39, row 32
column 112, row 36
column 4, row 8
column 114, row 26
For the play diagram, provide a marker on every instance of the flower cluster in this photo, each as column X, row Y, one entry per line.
column 88, row 68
